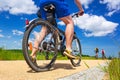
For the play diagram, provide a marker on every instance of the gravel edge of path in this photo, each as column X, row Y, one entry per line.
column 94, row 73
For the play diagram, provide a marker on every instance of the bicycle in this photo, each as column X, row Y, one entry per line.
column 51, row 46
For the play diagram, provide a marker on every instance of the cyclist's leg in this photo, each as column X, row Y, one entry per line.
column 96, row 55
column 69, row 32
column 38, row 39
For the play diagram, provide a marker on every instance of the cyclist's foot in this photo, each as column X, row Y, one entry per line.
column 33, row 60
column 69, row 54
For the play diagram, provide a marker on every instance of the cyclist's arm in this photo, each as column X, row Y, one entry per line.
column 79, row 5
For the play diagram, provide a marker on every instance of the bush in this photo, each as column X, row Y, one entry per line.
column 110, row 58
column 1, row 48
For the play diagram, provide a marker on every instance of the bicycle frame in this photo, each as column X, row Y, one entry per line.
column 55, row 44
column 51, row 18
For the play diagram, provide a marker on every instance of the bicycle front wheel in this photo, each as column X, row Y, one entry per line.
column 40, row 38
column 76, row 51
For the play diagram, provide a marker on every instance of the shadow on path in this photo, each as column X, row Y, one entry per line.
column 56, row 66
column 63, row 66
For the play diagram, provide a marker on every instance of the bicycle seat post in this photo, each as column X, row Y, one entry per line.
column 50, row 15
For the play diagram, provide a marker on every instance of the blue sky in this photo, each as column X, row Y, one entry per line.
column 98, row 27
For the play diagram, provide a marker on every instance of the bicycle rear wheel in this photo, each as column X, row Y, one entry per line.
column 46, row 52
column 76, row 51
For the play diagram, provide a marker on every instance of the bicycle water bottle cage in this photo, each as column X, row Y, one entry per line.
column 50, row 13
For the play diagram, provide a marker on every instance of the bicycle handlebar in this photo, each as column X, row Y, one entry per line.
column 75, row 15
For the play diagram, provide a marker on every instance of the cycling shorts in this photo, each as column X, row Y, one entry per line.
column 61, row 8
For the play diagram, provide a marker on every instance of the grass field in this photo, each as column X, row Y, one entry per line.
column 18, row 55
column 11, row 55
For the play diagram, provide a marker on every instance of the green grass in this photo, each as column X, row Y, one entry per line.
column 114, row 69
column 18, row 55
column 88, row 58
column 11, row 55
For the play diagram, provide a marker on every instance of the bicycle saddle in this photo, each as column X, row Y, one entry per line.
column 49, row 8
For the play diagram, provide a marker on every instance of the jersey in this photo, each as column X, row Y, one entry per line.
column 61, row 8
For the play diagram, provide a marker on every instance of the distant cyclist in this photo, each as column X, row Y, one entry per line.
column 62, row 12
column 96, row 53
column 103, row 54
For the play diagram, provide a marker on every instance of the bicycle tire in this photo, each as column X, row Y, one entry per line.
column 26, row 52
column 77, row 53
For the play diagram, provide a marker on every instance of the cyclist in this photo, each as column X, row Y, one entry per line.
column 103, row 54
column 96, row 53
column 62, row 12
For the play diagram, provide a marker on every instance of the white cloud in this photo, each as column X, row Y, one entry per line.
column 86, row 3
column 112, row 5
column 17, row 32
column 1, row 36
column 111, row 13
column 18, row 6
column 94, row 25
column 0, row 30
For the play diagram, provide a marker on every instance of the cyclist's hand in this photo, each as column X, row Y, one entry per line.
column 81, row 12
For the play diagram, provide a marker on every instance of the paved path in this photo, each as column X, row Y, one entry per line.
column 94, row 73
column 19, row 70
